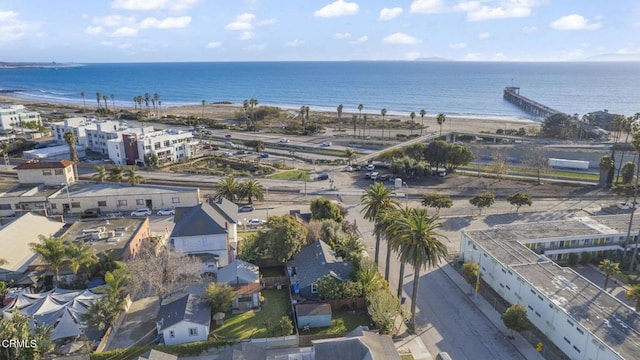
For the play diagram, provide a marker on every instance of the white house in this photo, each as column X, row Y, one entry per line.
column 13, row 116
column 206, row 229
column 49, row 173
column 244, row 277
column 581, row 319
column 168, row 145
column 184, row 320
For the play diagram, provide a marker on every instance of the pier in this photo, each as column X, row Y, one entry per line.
column 512, row 95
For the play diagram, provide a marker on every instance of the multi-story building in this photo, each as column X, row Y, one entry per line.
column 581, row 319
column 14, row 116
column 168, row 145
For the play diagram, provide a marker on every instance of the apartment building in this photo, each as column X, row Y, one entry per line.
column 168, row 145
column 13, row 116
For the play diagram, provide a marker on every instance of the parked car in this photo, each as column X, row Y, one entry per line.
column 348, row 168
column 322, row 176
column 227, row 136
column 255, row 222
column 229, row 144
column 326, row 144
column 206, row 146
column 264, row 155
column 383, row 177
column 241, row 152
column 166, row 212
column 245, row 208
column 115, row 214
column 623, row 206
column 374, row 176
column 226, row 153
column 370, row 167
column 141, row 212
column 284, row 140
column 90, row 213
column 215, row 147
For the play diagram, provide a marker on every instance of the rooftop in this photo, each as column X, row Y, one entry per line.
column 104, row 235
column 189, row 308
column 102, row 190
column 60, row 164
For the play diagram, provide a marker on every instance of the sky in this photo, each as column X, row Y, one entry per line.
column 83, row 31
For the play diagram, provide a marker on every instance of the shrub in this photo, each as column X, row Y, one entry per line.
column 585, row 258
column 573, row 260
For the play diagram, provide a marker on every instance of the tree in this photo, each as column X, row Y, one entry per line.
column 323, row 208
column 284, row 238
column 389, row 226
column 219, row 296
column 80, row 256
column 499, row 165
column 251, row 189
column 628, row 172
column 610, row 269
column 70, row 139
column 99, row 314
column 559, row 126
column 350, row 154
column 607, row 169
column 52, row 251
column 440, row 119
column 418, row 244
column 350, row 247
column 103, row 311
column 537, row 160
column 482, row 201
column 635, row 142
column 354, row 120
column 100, row 175
column 360, row 107
column 437, row 201
column 634, row 294
column 133, row 178
column 105, row 98
column 282, row 327
column 339, row 110
column 116, row 174
column 519, row 199
column 366, row 273
column 470, row 272
column 383, row 309
column 84, row 104
column 98, row 99
column 412, row 116
column 383, row 112
column 515, row 318
column 203, row 104
column 251, row 248
column 227, row 188
column 37, row 339
column 156, row 97
column 147, row 98
column 376, row 199
column 423, row 112
column 151, row 160
column 328, row 288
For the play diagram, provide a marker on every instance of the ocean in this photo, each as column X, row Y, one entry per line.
column 454, row 88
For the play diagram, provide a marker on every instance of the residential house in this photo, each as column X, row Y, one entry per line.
column 14, row 116
column 313, row 315
column 244, row 277
column 312, row 263
column 15, row 238
column 184, row 320
column 206, row 230
column 360, row 344
column 49, row 173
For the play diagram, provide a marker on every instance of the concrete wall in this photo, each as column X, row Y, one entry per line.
column 49, row 177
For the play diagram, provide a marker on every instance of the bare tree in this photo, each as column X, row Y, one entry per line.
column 537, row 160
column 163, row 273
column 499, row 165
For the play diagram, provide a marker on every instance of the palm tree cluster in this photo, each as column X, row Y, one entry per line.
column 118, row 174
column 104, row 310
column 60, row 254
column 232, row 190
column 155, row 101
column 100, row 98
column 249, row 114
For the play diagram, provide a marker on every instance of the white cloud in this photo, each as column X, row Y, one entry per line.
column 214, row 45
column 153, row 4
column 124, row 32
column 125, row 46
column 106, row 43
column 400, row 38
column 574, row 22
column 388, row 14
column 242, row 22
column 490, row 13
column 459, row 45
column 112, row 20
column 360, row 40
column 11, row 28
column 166, row 23
column 267, row 22
column 93, row 30
column 529, row 29
column 246, row 35
column 255, row 47
column 472, row 56
column 426, row 6
column 412, row 55
column 341, row 35
column 294, row 43
column 337, row 8
column 484, row 35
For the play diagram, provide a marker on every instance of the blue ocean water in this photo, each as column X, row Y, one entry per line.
column 455, row 88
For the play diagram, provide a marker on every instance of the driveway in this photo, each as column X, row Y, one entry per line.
column 139, row 325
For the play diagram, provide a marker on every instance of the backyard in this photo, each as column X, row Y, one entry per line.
column 341, row 322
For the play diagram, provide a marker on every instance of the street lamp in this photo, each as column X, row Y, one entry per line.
column 266, row 200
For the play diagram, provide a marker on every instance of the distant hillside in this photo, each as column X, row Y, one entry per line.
column 26, row 65
column 432, row 58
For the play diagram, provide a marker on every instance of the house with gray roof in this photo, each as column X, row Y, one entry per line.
column 360, row 344
column 312, row 263
column 184, row 320
column 244, row 277
column 206, row 230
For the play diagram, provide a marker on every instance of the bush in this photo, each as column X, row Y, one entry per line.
column 573, row 260
column 585, row 258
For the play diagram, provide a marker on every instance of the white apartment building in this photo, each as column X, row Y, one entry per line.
column 13, row 116
column 581, row 319
column 169, row 145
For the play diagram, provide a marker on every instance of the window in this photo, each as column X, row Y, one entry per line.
column 102, row 203
column 567, row 340
column 576, row 348
column 58, row 171
column 54, row 206
column 75, row 205
column 533, row 292
column 504, row 271
column 139, row 201
column 580, row 330
column 5, row 206
column 508, row 287
column 530, row 307
column 570, row 323
column 540, row 297
column 46, row 172
column 537, row 313
column 172, row 334
column 314, row 288
column 501, row 285
column 193, row 331
column 175, row 200
column 122, row 202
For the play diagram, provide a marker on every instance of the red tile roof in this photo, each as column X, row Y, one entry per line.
column 44, row 165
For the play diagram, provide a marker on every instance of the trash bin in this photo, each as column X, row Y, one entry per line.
column 403, row 300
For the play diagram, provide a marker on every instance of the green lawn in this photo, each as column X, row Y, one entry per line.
column 252, row 323
column 296, row 174
column 341, row 322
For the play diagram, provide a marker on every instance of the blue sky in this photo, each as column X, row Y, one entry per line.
column 279, row 30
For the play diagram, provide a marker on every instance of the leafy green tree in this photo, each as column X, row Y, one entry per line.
column 437, row 201
column 383, row 309
column 625, row 190
column 456, row 156
column 607, row 168
column 519, row 199
column 483, row 201
column 285, row 237
column 100, row 175
column 80, row 256
column 219, row 296
column 329, row 288
column 470, row 272
column 537, row 159
column 116, row 174
column 227, row 188
column 350, row 154
column 351, row 289
column 377, row 199
column 350, row 247
column 559, row 126
column 366, row 273
column 251, row 248
column 322, row 208
column 610, row 268
column 251, row 189
column 17, row 326
column 515, row 318
column 634, row 294
column 152, row 160
column 572, row 261
column 132, row 178
column 52, row 251
column 628, row 172
column 282, row 327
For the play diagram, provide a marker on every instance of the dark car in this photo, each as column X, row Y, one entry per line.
column 322, row 176
column 228, row 136
column 215, row 147
column 383, row 177
column 90, row 213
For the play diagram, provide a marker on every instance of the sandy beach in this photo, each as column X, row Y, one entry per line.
column 228, row 111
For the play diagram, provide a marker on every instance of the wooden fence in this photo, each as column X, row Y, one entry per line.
column 275, row 281
column 341, row 304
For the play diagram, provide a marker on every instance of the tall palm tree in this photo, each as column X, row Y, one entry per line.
column 131, row 176
column 147, row 98
column 383, row 112
column 113, row 102
column 360, row 107
column 253, row 114
column 252, row 189
column 227, row 188
column 364, row 126
column 626, row 126
column 106, row 104
column 101, row 174
column 116, row 174
column 80, row 256
column 245, row 106
column 350, row 154
column 52, row 251
column 84, row 104
column 418, row 244
column 70, row 139
column 156, row 97
column 635, row 142
column 387, row 226
column 423, row 112
column 441, row 118
column 135, row 103
column 377, row 199
column 609, row 268
column 339, row 109
column 412, row 116
column 304, row 122
column 354, row 119
column 98, row 99
column 203, row 104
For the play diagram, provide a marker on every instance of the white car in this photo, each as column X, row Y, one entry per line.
column 623, row 206
column 326, row 144
column 255, row 222
column 284, row 140
column 370, row 167
column 166, row 212
column 141, row 212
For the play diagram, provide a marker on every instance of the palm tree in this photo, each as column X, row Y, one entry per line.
column 116, row 174
column 100, row 175
column 70, row 139
column 634, row 294
column 98, row 99
column 354, row 119
column 360, row 107
column 423, row 112
column 441, row 119
column 418, row 244
column 304, row 123
column 203, row 104
column 52, row 251
column 131, row 176
column 609, row 268
column 135, row 103
column 387, row 226
column 80, row 255
column 245, row 106
column 369, row 276
column 259, row 145
column 340, row 107
column 383, row 112
column 113, row 102
column 350, row 247
column 626, row 125
column 252, row 189
column 635, row 142
column 350, row 154
column 147, row 98
column 412, row 116
column 377, row 199
column 227, row 188
column 156, row 97
column 84, row 104
column 106, row 104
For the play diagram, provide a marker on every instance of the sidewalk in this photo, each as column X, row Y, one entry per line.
column 522, row 345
